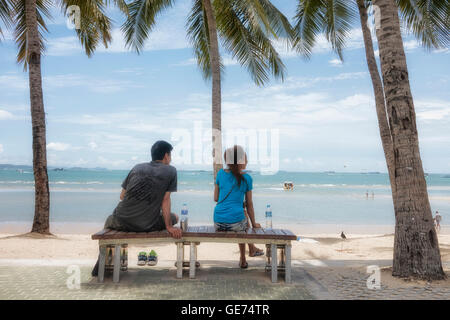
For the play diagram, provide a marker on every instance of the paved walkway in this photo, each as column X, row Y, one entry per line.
column 215, row 280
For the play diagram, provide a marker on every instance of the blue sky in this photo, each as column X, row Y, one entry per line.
column 106, row 111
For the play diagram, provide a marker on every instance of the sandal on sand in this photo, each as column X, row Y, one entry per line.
column 257, row 253
column 243, row 266
column 152, row 258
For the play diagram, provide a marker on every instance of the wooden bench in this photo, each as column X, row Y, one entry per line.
column 274, row 239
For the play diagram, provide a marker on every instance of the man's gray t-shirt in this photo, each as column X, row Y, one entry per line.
column 145, row 187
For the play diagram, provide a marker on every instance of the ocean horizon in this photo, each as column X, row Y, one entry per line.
column 82, row 197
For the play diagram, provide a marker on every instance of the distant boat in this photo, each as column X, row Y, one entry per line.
column 19, row 170
column 329, row 172
column 58, row 169
column 288, row 185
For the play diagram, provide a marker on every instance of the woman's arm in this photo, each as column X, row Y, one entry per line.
column 216, row 192
column 250, row 209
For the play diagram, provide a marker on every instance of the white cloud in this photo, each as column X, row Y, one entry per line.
column 432, row 110
column 335, row 62
column 58, row 146
column 5, row 115
column 93, row 145
column 97, row 85
column 14, row 81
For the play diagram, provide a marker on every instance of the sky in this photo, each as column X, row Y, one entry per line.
column 107, row 110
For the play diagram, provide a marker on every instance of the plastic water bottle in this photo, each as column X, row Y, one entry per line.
column 268, row 217
column 184, row 217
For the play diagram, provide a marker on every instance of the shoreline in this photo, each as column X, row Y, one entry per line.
column 300, row 229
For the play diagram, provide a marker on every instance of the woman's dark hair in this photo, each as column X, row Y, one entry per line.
column 159, row 150
column 235, row 156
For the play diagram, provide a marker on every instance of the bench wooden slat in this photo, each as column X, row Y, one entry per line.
column 269, row 231
column 200, row 231
column 289, row 232
column 278, row 231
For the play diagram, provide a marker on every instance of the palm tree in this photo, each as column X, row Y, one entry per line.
column 427, row 21
column 244, row 27
column 416, row 247
column 27, row 19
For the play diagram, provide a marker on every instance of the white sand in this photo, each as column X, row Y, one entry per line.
column 63, row 249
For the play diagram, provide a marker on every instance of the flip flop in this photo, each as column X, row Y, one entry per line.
column 257, row 253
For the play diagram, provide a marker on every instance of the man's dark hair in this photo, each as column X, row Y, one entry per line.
column 159, row 150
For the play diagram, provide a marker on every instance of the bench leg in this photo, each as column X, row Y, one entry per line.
column 193, row 259
column 274, row 266
column 101, row 264
column 287, row 275
column 116, row 272
column 180, row 254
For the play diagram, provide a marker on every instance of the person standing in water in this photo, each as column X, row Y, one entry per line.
column 437, row 219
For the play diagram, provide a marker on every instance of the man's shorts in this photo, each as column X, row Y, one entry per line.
column 113, row 223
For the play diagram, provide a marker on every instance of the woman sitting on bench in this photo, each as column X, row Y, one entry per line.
column 232, row 185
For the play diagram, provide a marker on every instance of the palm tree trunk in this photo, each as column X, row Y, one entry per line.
column 380, row 106
column 416, row 247
column 216, row 87
column 42, row 198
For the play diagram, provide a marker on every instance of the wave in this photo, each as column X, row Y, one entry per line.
column 53, row 182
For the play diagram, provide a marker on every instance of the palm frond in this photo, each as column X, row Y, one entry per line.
column 95, row 25
column 5, row 14
column 247, row 40
column 21, row 30
column 198, row 36
column 141, row 20
column 308, row 25
column 278, row 21
column 339, row 15
column 121, row 4
column 428, row 20
column 334, row 18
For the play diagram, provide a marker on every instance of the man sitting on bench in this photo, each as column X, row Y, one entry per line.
column 145, row 197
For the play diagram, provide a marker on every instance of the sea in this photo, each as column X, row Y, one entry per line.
column 86, row 197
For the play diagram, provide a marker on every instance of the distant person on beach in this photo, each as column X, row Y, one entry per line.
column 232, row 185
column 437, row 219
column 145, row 198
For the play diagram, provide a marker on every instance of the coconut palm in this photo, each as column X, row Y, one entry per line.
column 428, row 20
column 245, row 28
column 5, row 13
column 416, row 247
column 27, row 18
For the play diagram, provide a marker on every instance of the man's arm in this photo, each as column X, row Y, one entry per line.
column 174, row 232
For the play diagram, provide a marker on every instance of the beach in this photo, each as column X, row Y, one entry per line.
column 66, row 248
